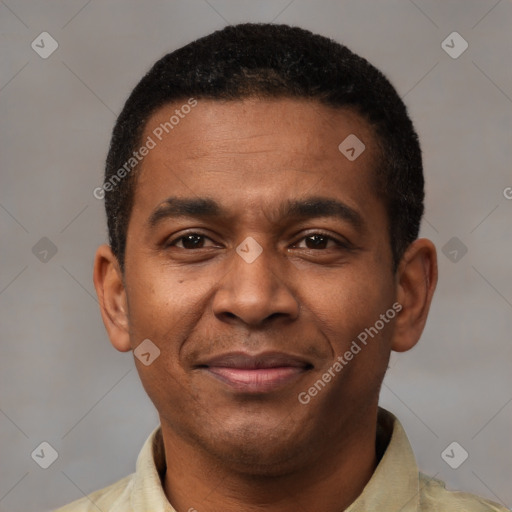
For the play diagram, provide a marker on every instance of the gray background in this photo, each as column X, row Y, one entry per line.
column 60, row 379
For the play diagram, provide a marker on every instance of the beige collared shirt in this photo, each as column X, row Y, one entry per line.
column 395, row 486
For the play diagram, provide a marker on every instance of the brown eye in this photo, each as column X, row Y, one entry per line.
column 189, row 241
column 320, row 241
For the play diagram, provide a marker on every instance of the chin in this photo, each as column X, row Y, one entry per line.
column 260, row 450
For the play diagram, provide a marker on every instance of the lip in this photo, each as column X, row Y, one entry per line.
column 257, row 373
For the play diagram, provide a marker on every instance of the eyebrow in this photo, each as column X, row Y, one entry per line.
column 205, row 208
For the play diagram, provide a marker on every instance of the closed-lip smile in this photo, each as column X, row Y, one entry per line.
column 256, row 373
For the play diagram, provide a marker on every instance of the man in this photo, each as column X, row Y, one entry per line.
column 264, row 192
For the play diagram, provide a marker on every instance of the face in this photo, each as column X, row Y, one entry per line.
column 256, row 254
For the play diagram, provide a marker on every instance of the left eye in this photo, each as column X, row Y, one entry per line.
column 319, row 241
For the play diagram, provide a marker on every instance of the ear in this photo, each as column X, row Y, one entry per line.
column 109, row 284
column 416, row 281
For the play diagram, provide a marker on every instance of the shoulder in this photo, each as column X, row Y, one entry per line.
column 113, row 498
column 435, row 497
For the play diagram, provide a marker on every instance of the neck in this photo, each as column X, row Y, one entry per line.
column 330, row 479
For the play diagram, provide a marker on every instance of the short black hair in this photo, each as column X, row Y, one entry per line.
column 274, row 61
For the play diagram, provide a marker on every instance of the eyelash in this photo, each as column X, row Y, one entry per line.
column 339, row 243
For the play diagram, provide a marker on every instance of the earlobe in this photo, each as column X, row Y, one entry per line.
column 108, row 281
column 416, row 282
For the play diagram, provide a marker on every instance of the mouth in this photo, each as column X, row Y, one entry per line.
column 261, row 373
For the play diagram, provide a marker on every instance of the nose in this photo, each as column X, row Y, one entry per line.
column 255, row 292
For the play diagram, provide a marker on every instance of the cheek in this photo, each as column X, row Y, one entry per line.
column 347, row 314
column 347, row 305
column 164, row 306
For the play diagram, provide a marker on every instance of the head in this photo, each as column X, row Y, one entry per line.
column 243, row 227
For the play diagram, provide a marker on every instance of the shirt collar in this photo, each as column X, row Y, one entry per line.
column 147, row 492
column 394, row 484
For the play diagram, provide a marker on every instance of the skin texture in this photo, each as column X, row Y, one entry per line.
column 226, row 449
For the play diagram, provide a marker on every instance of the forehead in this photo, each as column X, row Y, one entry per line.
column 254, row 150
column 222, row 125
